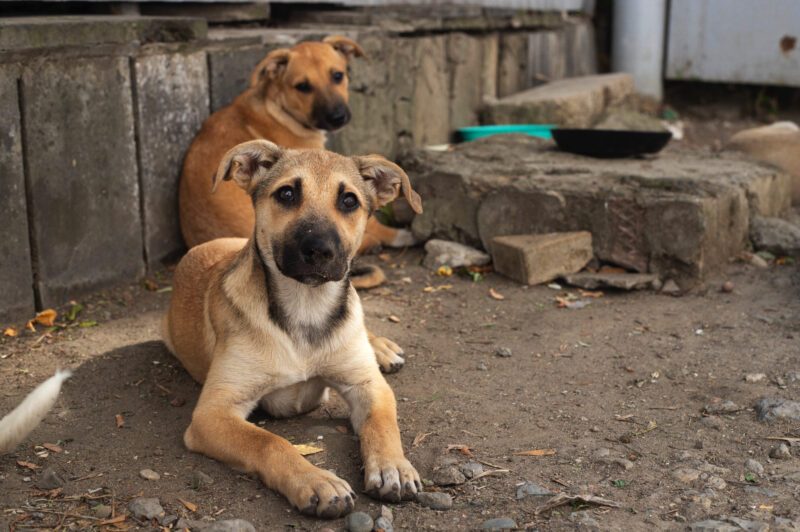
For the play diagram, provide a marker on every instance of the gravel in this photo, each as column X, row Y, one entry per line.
column 146, row 508
column 531, row 489
column 50, row 479
column 149, row 474
column 771, row 408
column 499, row 523
column 435, row 500
column 448, row 476
column 230, row 525
column 780, row 452
column 358, row 522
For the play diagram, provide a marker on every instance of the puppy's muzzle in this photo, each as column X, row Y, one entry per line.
column 316, row 251
column 333, row 117
column 312, row 255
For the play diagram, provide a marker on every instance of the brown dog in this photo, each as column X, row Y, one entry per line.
column 295, row 96
column 274, row 321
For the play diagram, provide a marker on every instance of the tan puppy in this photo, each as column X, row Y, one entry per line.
column 274, row 321
column 295, row 96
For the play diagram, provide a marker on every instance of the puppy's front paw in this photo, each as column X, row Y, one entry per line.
column 322, row 494
column 388, row 354
column 391, row 480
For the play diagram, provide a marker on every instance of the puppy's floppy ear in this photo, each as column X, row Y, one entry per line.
column 246, row 162
column 270, row 66
column 385, row 181
column 347, row 47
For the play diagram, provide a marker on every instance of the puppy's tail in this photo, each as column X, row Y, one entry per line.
column 367, row 276
column 16, row 426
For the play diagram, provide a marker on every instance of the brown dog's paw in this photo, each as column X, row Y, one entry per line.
column 388, row 354
column 392, row 480
column 322, row 494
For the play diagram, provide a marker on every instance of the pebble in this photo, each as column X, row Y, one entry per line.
column 753, row 466
column 190, row 524
column 770, row 408
column 499, row 523
column 755, row 377
column 712, row 422
column 748, row 525
column 149, row 474
column 471, row 469
column 761, row 491
column 386, row 513
column 145, row 508
column 446, row 253
column 531, row 489
column 727, row 287
column 725, row 407
column 503, row 352
column 102, row 511
column 482, row 366
column 624, row 463
column 232, row 525
column 686, row 475
column 780, row 452
column 448, row 476
column 358, row 522
column 670, row 288
column 435, row 500
column 584, row 520
column 384, row 524
column 758, row 262
column 50, row 480
column 711, row 525
column 200, row 479
column 602, row 452
column 715, row 482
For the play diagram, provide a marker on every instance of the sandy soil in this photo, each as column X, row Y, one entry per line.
column 617, row 389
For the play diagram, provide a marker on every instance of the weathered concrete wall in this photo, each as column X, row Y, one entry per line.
column 16, row 277
column 82, row 174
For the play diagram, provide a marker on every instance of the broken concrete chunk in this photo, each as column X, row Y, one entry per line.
column 776, row 235
column 572, row 102
column 771, row 408
column 453, row 254
column 535, row 259
column 622, row 281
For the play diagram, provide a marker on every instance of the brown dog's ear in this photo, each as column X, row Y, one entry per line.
column 347, row 47
column 385, row 181
column 270, row 66
column 245, row 162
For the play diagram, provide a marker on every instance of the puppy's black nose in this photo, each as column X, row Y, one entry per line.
column 316, row 250
column 338, row 116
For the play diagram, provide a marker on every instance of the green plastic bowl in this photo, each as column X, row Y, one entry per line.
column 542, row 131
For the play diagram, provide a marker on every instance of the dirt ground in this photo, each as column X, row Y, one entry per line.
column 617, row 389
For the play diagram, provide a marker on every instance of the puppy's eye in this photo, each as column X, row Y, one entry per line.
column 337, row 77
column 304, row 87
column 348, row 202
column 285, row 195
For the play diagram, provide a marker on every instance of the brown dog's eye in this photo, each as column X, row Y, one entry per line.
column 337, row 77
column 285, row 195
column 348, row 202
column 304, row 87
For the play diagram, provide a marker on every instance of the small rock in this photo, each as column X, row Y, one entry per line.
column 686, row 475
column 503, row 352
column 724, row 407
column 383, row 524
column 755, row 377
column 602, row 452
column 232, row 525
column 783, row 524
column 758, row 262
column 753, row 466
column 435, row 500
column 102, row 511
column 758, row 490
column 727, row 287
column 146, row 508
column 471, row 469
column 670, row 288
column 780, row 452
column 711, row 525
column 149, row 474
column 793, row 376
column 448, row 476
column 50, row 479
column 776, row 235
column 168, row 520
column 499, row 523
column 531, row 489
column 770, row 408
column 716, row 483
column 748, row 525
column 453, row 254
column 624, row 463
column 191, row 524
column 622, row 281
column 199, row 479
column 358, row 522
column 482, row 366
column 712, row 422
column 386, row 513
column 584, row 520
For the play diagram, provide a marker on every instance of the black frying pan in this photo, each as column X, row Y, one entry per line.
column 610, row 143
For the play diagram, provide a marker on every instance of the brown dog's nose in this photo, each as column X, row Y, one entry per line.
column 338, row 116
column 316, row 251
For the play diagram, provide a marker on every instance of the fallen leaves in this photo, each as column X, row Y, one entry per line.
column 562, row 498
column 429, row 289
column 536, row 452
column 11, row 332
column 46, row 317
column 444, row 271
column 419, row 438
column 52, row 447
column 120, row 421
column 461, row 448
column 494, row 294
column 192, row 507
column 590, row 294
column 307, row 449
column 28, row 465
column 393, row 318
column 113, row 520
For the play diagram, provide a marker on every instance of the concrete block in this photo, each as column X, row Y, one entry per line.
column 229, row 71
column 536, row 259
column 171, row 104
column 512, row 64
column 21, row 33
column 16, row 277
column 465, row 65
column 82, row 175
column 679, row 216
column 573, row 102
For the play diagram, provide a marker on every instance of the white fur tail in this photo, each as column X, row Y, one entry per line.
column 16, row 426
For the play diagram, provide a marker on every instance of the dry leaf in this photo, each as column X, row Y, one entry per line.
column 561, row 499
column 385, row 257
column 11, row 332
column 343, row 429
column 192, row 507
column 150, row 285
column 28, row 465
column 46, row 317
column 536, row 452
column 52, row 447
column 593, row 295
column 30, row 326
column 393, row 318
column 463, row 449
column 120, row 421
column 113, row 520
column 494, row 294
column 307, row 449
column 419, row 438
column 444, row 271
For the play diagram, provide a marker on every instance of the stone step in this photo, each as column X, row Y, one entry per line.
column 679, row 215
